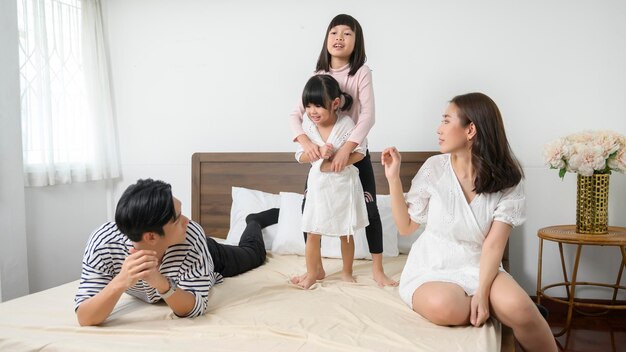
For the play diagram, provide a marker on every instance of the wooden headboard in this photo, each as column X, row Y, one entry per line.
column 214, row 174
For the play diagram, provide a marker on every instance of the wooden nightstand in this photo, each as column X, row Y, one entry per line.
column 566, row 234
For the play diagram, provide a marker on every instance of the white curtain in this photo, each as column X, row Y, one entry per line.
column 68, row 130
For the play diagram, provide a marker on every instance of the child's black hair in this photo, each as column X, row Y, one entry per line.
column 321, row 90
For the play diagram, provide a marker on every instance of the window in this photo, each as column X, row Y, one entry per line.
column 67, row 122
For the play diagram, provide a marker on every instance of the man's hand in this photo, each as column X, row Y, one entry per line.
column 139, row 265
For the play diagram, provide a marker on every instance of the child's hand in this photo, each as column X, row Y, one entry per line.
column 340, row 160
column 327, row 151
column 391, row 160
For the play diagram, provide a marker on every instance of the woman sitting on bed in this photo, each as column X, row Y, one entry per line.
column 154, row 252
column 470, row 196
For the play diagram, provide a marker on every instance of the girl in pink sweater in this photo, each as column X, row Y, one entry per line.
column 343, row 57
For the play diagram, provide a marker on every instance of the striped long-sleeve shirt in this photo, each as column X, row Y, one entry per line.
column 189, row 264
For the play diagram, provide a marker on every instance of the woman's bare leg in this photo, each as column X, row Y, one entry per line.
column 512, row 306
column 442, row 303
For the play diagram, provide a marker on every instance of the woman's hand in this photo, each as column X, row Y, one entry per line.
column 479, row 309
column 311, row 149
column 391, row 160
column 340, row 160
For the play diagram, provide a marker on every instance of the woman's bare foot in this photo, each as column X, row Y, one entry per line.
column 383, row 280
column 347, row 277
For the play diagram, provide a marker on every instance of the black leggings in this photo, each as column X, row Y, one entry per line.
column 233, row 260
column 374, row 231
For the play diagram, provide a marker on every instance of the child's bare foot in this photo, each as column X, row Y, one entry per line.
column 306, row 283
column 383, row 280
column 347, row 277
column 297, row 280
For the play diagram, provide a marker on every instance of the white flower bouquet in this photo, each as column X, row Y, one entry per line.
column 587, row 153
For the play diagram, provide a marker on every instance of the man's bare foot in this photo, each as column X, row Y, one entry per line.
column 383, row 280
column 347, row 277
column 296, row 280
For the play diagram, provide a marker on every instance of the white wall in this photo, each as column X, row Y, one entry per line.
column 188, row 74
column 60, row 220
column 13, row 263
column 197, row 71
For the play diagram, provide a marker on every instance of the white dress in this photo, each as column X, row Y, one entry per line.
column 335, row 204
column 449, row 248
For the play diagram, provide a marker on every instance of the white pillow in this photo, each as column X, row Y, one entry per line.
column 331, row 246
column 290, row 240
column 245, row 202
column 405, row 242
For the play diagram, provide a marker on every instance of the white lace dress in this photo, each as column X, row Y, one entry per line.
column 335, row 205
column 449, row 248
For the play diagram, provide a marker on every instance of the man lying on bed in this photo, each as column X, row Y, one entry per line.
column 154, row 252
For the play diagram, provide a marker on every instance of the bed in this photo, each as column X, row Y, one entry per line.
column 258, row 310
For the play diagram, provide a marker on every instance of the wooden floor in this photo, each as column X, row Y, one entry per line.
column 604, row 333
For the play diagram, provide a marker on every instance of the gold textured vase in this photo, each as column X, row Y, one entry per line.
column 592, row 204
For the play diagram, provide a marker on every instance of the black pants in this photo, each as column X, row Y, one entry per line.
column 374, row 231
column 233, row 260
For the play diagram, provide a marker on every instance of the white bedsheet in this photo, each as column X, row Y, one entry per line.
column 256, row 311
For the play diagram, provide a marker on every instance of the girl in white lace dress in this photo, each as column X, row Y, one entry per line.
column 334, row 205
column 470, row 197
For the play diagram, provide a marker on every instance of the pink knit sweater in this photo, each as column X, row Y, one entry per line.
column 360, row 88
